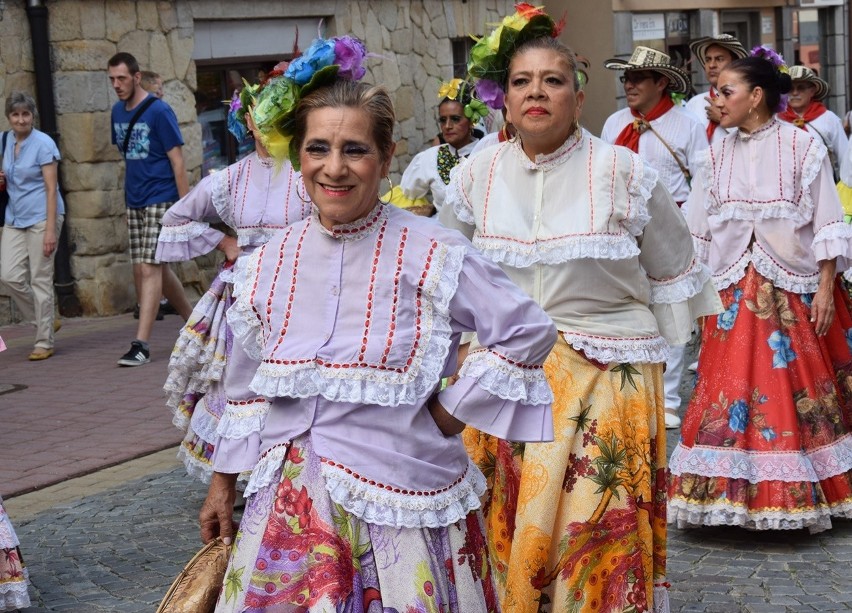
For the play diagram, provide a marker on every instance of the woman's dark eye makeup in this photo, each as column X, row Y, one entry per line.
column 350, row 149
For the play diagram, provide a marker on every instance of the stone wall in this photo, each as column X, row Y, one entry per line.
column 411, row 38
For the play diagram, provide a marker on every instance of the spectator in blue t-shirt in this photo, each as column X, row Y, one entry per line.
column 155, row 177
column 33, row 220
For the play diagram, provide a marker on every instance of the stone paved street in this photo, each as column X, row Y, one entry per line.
column 113, row 541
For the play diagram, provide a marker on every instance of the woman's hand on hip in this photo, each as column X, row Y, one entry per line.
column 447, row 424
column 216, row 517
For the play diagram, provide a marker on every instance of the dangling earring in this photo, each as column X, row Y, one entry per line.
column 390, row 192
column 299, row 194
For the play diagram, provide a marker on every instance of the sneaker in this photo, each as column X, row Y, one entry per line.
column 159, row 313
column 137, row 355
column 672, row 421
column 693, row 367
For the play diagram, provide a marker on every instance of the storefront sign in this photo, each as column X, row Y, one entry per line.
column 677, row 24
column 767, row 25
column 649, row 26
column 815, row 3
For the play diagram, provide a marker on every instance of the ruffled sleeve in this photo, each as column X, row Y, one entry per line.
column 681, row 290
column 832, row 236
column 186, row 231
column 501, row 389
column 416, row 182
column 457, row 212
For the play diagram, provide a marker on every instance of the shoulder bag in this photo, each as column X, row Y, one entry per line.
column 148, row 102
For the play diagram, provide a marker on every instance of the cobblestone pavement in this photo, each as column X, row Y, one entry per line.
column 114, row 541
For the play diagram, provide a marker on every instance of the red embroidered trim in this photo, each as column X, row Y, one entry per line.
column 395, row 300
column 390, row 488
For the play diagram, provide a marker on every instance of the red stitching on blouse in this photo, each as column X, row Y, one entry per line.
column 390, row 488
column 522, row 365
column 370, row 291
column 242, row 403
column 395, row 300
column 292, row 294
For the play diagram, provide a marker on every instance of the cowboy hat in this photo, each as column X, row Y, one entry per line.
column 645, row 58
column 726, row 41
column 803, row 73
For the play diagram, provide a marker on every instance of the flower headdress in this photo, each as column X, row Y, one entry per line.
column 774, row 58
column 275, row 104
column 461, row 92
column 490, row 56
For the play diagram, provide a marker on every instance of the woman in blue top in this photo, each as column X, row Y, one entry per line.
column 33, row 219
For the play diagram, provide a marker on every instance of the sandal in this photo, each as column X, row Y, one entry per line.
column 40, row 353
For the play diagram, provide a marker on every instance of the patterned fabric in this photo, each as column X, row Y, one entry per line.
column 13, row 573
column 766, row 440
column 447, row 160
column 579, row 523
column 298, row 550
column 143, row 228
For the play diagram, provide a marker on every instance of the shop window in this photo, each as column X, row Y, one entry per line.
column 461, row 52
column 216, row 84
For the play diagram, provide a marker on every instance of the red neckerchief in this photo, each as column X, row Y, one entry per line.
column 814, row 110
column 629, row 136
column 711, row 127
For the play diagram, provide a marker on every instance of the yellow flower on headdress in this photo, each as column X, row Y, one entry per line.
column 450, row 90
column 515, row 22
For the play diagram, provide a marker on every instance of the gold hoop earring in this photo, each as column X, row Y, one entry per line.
column 389, row 194
column 299, row 194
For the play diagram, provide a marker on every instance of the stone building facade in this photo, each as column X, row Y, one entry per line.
column 414, row 42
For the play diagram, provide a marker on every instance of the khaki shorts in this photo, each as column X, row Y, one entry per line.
column 143, row 228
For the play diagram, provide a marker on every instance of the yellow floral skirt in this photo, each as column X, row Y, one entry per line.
column 579, row 524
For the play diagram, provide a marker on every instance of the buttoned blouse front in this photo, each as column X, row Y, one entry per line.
column 590, row 234
column 352, row 330
column 253, row 196
column 768, row 198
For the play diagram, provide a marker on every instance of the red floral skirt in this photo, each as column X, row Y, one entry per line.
column 766, row 440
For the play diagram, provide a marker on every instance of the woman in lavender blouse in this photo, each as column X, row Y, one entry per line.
column 362, row 496
column 254, row 197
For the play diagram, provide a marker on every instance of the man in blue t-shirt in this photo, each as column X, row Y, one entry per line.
column 155, row 177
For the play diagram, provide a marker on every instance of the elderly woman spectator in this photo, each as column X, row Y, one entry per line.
column 766, row 441
column 588, row 231
column 362, row 496
column 33, row 220
column 255, row 197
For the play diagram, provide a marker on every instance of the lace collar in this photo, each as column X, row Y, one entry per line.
column 548, row 161
column 761, row 133
column 266, row 162
column 355, row 230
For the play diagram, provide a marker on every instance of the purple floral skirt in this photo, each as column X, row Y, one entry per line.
column 298, row 550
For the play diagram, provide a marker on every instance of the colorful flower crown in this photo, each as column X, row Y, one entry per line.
column 275, row 101
column 460, row 91
column 489, row 58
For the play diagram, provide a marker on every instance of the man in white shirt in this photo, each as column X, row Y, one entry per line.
column 713, row 53
column 669, row 138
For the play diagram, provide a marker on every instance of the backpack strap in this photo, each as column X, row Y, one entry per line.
column 142, row 107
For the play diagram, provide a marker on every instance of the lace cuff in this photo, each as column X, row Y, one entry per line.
column 523, row 255
column 242, row 418
column 507, row 378
column 683, row 287
column 817, row 465
column 733, row 273
column 834, row 240
column 187, row 241
column 455, row 196
column 387, row 505
column 650, row 349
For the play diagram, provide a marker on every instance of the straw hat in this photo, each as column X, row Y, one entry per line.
column 803, row 73
column 645, row 58
column 726, row 41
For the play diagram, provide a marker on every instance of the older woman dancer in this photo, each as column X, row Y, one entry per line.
column 766, row 441
column 362, row 497
column 255, row 197
column 588, row 231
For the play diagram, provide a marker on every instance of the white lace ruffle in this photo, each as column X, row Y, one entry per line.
column 183, row 233
column 653, row 350
column 638, row 194
column 701, row 246
column 380, row 506
column 220, row 194
column 811, row 167
column 505, row 380
column 204, row 421
column 242, row 319
column 14, row 595
column 812, row 466
column 195, row 467
column 834, row 240
column 254, row 236
column 690, row 515
column 242, row 419
column 661, row 597
column 456, row 198
column 368, row 385
column 780, row 277
column 733, row 273
column 682, row 287
column 266, row 469
column 523, row 255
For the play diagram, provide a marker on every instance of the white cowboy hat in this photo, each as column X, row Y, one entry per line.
column 726, row 41
column 803, row 73
column 645, row 58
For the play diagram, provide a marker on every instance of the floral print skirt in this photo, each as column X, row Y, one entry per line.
column 766, row 441
column 13, row 573
column 579, row 524
column 297, row 550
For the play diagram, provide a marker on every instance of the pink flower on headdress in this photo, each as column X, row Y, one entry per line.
column 490, row 93
column 349, row 54
column 235, row 105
